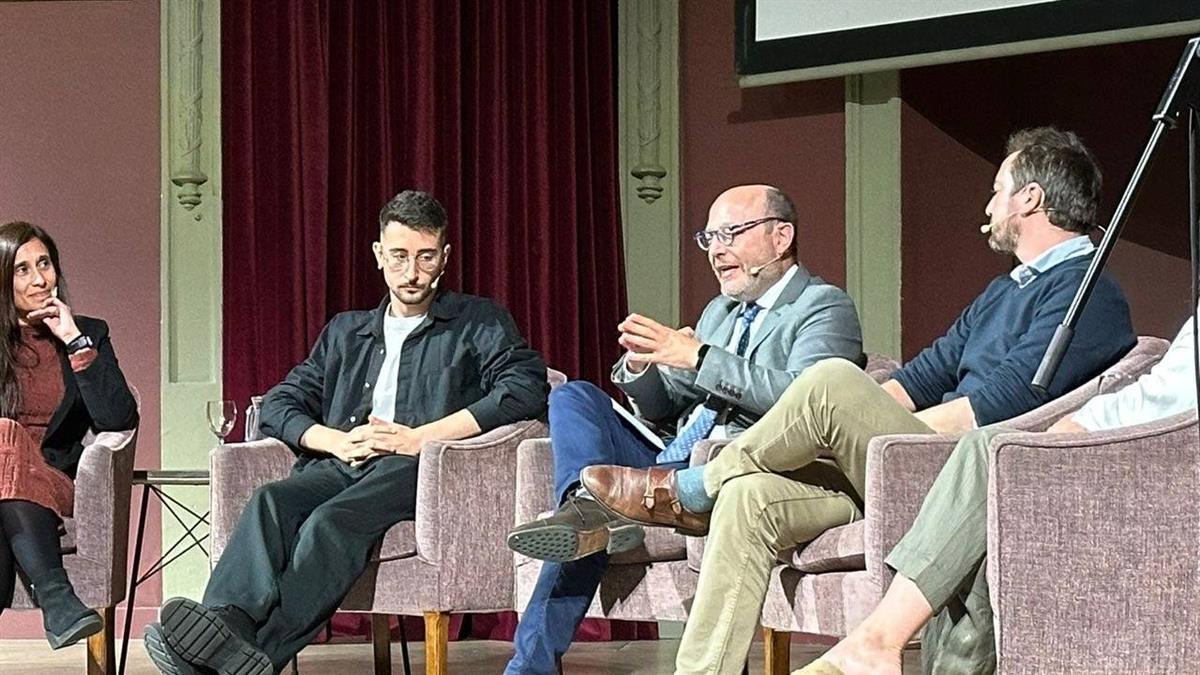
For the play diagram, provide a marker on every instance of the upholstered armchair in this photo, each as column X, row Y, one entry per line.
column 1093, row 549
column 655, row 582
column 97, row 537
column 829, row 586
column 451, row 559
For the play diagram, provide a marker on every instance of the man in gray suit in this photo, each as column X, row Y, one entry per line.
column 772, row 320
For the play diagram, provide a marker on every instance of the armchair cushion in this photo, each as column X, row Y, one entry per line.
column 661, row 545
column 838, row 550
column 880, row 367
column 399, row 542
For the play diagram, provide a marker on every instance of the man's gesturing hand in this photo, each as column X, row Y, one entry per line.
column 648, row 341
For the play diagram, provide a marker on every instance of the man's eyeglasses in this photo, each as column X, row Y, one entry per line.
column 399, row 262
column 726, row 234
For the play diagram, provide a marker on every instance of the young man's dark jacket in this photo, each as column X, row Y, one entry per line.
column 467, row 353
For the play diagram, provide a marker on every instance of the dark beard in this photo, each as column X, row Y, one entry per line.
column 419, row 299
column 1004, row 236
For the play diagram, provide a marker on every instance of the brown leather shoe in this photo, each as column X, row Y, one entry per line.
column 645, row 496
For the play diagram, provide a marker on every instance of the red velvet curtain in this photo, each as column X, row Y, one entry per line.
column 504, row 110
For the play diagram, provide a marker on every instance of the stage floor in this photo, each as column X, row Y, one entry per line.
column 649, row 657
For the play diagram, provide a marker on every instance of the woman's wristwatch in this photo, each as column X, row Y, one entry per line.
column 79, row 344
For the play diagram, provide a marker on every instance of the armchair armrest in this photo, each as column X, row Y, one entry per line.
column 236, row 470
column 466, row 489
column 1145, row 353
column 900, row 470
column 103, row 482
column 535, row 479
column 1092, row 547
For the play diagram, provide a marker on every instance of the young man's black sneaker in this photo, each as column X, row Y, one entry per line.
column 167, row 661
column 199, row 635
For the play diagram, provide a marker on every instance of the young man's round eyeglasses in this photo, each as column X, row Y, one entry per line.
column 426, row 262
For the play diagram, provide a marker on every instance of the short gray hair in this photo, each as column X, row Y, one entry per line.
column 779, row 205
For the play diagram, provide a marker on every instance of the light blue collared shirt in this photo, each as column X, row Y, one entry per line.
column 1071, row 248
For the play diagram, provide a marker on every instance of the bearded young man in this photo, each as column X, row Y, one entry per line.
column 427, row 364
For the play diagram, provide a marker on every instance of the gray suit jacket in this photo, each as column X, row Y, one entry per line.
column 812, row 320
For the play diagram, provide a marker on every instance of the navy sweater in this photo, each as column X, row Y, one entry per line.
column 994, row 347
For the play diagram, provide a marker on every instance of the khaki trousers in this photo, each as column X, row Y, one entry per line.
column 791, row 476
column 945, row 554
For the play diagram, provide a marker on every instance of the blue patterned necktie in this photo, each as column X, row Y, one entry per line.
column 680, row 449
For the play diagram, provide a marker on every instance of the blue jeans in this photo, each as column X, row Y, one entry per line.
column 584, row 431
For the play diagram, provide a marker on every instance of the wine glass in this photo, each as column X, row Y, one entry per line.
column 222, row 415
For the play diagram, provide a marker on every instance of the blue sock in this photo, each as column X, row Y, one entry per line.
column 689, row 483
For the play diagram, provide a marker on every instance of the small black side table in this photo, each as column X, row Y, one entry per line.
column 154, row 481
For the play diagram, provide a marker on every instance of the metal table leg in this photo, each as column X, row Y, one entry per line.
column 404, row 647
column 133, row 578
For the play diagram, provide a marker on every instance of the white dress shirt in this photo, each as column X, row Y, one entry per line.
column 1169, row 388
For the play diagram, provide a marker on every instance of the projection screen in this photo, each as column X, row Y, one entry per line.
column 788, row 40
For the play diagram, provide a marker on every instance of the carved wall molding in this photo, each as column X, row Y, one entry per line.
column 190, row 256
column 649, row 170
column 187, row 71
column 648, row 154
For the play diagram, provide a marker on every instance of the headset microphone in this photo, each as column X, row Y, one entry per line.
column 757, row 269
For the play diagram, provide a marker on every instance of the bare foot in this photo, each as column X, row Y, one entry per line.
column 862, row 656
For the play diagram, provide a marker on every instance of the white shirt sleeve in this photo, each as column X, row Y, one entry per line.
column 621, row 374
column 1169, row 388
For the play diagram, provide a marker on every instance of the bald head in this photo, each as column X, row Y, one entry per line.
column 761, row 200
column 761, row 220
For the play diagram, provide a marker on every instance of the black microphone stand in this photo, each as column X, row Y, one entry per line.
column 1182, row 96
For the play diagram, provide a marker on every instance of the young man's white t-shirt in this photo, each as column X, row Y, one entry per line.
column 396, row 330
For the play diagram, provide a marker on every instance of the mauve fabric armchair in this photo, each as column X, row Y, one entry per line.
column 95, row 547
column 655, row 582
column 451, row 559
column 829, row 586
column 1094, row 549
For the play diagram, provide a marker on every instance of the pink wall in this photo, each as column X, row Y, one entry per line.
column 79, row 154
column 790, row 136
column 944, row 261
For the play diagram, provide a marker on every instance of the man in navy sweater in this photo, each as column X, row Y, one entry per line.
column 771, row 489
